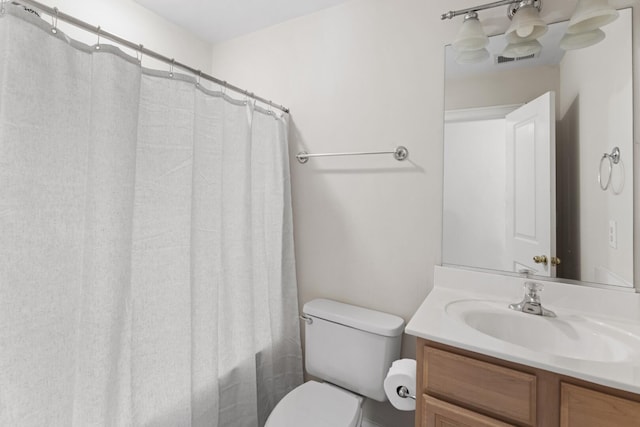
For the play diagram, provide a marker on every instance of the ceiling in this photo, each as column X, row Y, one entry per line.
column 219, row 20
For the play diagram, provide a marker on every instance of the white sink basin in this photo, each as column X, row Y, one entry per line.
column 573, row 337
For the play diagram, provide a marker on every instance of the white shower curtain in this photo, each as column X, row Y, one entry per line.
column 146, row 252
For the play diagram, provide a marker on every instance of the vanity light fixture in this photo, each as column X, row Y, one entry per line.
column 527, row 27
column 471, row 36
column 581, row 40
column 520, row 49
column 526, row 24
column 471, row 41
column 584, row 25
column 590, row 15
column 472, row 56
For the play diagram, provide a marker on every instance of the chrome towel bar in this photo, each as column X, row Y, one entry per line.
column 399, row 154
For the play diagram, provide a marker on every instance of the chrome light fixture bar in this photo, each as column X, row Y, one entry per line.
column 453, row 13
column 526, row 27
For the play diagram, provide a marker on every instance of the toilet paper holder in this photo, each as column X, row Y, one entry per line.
column 403, row 392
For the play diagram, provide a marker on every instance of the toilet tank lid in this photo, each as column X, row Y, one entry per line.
column 372, row 321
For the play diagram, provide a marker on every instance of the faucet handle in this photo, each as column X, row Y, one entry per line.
column 532, row 289
column 531, row 303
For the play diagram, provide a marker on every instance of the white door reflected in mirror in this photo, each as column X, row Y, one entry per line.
column 530, row 185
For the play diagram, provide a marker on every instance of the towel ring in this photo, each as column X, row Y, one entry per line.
column 614, row 159
column 614, row 190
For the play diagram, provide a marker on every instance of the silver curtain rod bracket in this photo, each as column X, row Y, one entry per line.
column 400, row 154
column 303, row 157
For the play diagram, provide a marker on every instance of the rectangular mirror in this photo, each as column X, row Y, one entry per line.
column 538, row 159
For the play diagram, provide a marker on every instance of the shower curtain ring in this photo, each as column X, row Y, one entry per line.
column 199, row 78
column 2, row 9
column 173, row 61
column 98, row 42
column 54, row 21
column 141, row 52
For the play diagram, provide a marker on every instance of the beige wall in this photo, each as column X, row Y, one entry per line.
column 363, row 76
column 605, row 107
column 367, row 228
column 502, row 88
column 366, row 75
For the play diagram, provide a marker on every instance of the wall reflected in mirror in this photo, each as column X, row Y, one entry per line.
column 505, row 201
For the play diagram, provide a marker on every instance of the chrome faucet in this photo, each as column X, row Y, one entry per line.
column 531, row 303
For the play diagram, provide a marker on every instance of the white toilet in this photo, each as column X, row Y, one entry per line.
column 349, row 347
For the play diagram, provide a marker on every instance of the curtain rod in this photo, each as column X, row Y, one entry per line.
column 57, row 15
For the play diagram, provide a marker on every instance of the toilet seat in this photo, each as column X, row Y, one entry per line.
column 315, row 404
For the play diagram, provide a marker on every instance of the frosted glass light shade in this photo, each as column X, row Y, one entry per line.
column 591, row 14
column 517, row 50
column 526, row 24
column 581, row 40
column 472, row 56
column 471, row 36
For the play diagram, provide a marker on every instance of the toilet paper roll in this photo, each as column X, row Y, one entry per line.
column 402, row 373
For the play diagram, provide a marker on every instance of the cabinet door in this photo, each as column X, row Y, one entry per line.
column 501, row 392
column 436, row 413
column 581, row 407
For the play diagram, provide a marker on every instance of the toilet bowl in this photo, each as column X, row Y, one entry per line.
column 350, row 348
column 315, row 404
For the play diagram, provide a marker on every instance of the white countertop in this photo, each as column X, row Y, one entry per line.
column 618, row 309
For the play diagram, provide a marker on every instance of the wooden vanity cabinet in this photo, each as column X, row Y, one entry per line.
column 459, row 388
column 583, row 407
column 437, row 413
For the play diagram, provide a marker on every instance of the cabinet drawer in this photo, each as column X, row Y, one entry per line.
column 436, row 413
column 494, row 390
column 581, row 407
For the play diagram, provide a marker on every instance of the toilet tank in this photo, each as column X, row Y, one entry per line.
column 352, row 347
